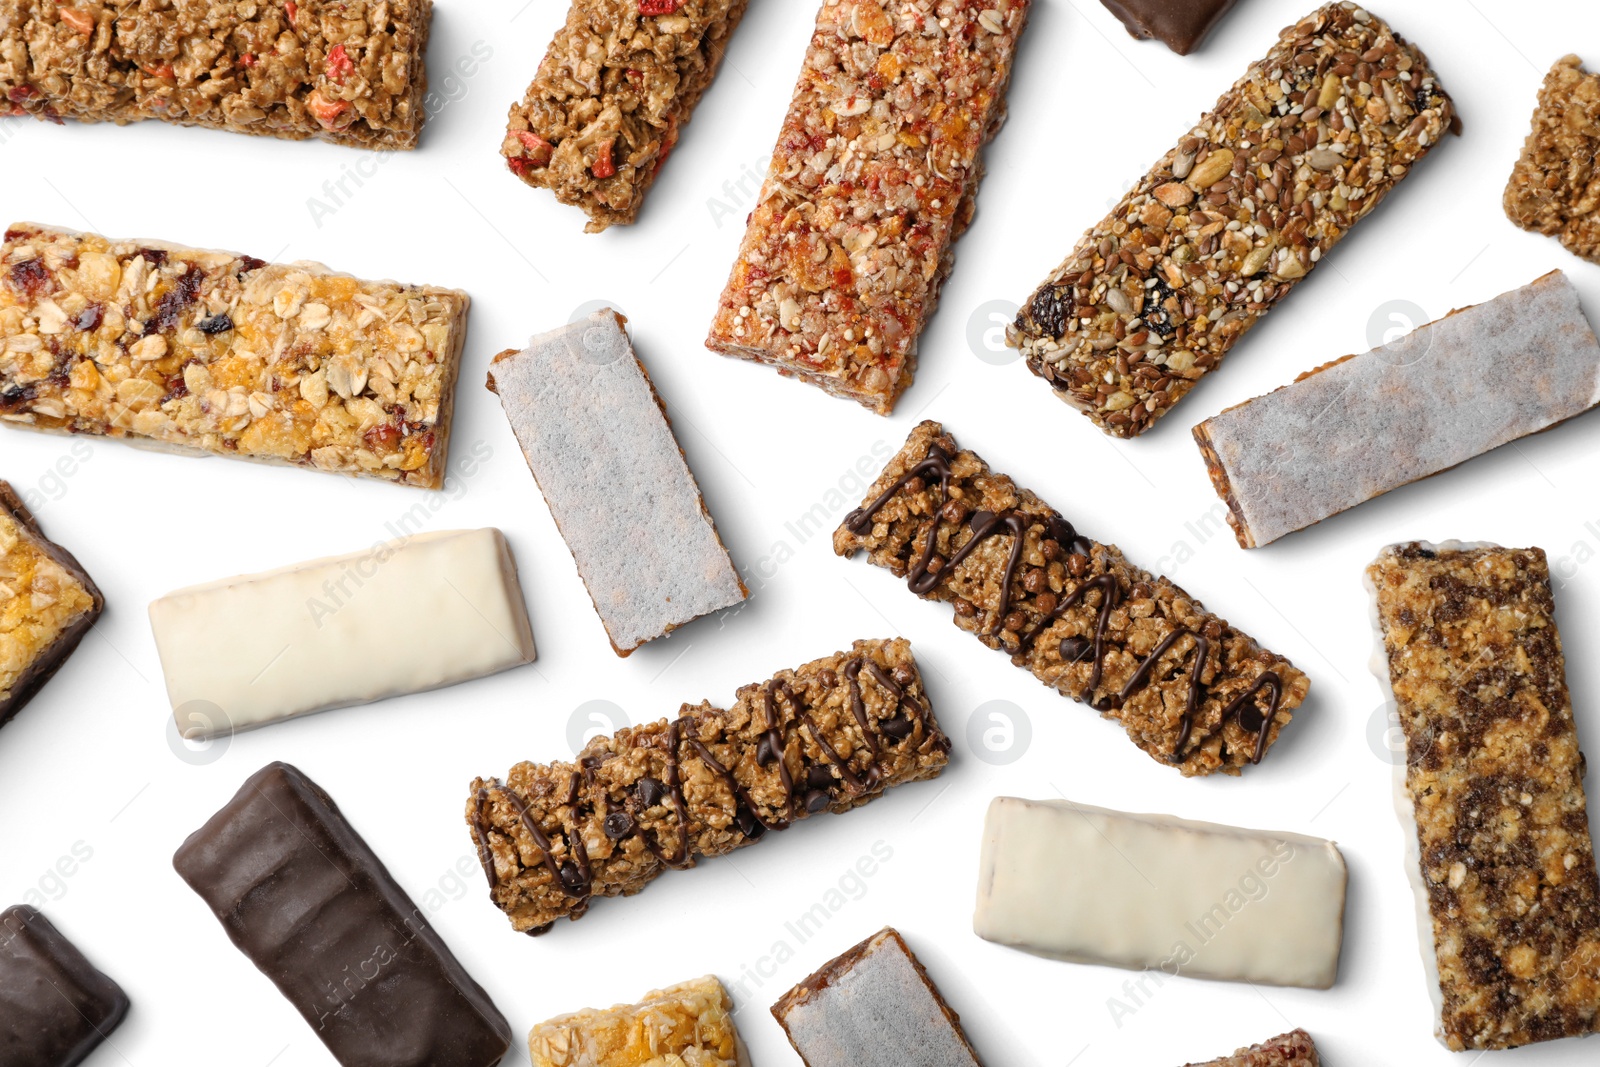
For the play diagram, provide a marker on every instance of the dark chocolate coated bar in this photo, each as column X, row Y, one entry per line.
column 1181, row 25
column 305, row 899
column 55, row 1007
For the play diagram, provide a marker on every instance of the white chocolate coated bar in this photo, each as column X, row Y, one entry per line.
column 256, row 649
column 1089, row 885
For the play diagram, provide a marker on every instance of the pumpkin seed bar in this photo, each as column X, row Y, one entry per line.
column 1555, row 187
column 1502, row 855
column 219, row 353
column 1294, row 1049
column 690, row 1024
column 873, row 178
column 347, row 71
column 1302, row 148
column 616, row 87
column 825, row 737
column 1192, row 692
column 47, row 604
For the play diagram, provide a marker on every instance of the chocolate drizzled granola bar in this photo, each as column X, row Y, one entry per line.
column 347, row 71
column 1555, row 187
column 1304, row 146
column 873, row 178
column 616, row 87
column 1495, row 778
column 828, row 736
column 1192, row 692
column 219, row 353
column 1294, row 1049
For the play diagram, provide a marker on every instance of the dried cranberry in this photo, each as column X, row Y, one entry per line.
column 17, row 397
column 154, row 256
column 659, row 7
column 604, row 166
column 21, row 93
column 32, row 277
column 250, row 263
column 175, row 302
column 89, row 318
column 214, row 324
column 338, row 65
column 13, row 234
column 385, row 438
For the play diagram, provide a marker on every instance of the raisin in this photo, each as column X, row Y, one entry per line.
column 175, row 302
column 154, row 256
column 250, row 263
column 1050, row 309
column 89, row 318
column 1157, row 316
column 17, row 397
column 32, row 278
column 214, row 324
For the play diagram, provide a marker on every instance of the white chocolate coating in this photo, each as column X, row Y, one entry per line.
column 1089, row 885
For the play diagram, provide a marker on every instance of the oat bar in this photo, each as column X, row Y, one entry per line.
column 689, row 1024
column 1294, row 1049
column 610, row 99
column 55, row 1007
column 1501, row 854
column 826, row 737
column 346, row 71
column 1192, row 692
column 47, row 604
column 873, row 178
column 1156, row 893
column 222, row 354
column 596, row 436
column 874, row 1006
column 1360, row 426
column 1181, row 25
column 1227, row 223
column 1555, row 186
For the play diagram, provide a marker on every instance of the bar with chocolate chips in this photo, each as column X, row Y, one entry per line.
column 826, row 737
column 47, row 604
column 1231, row 220
column 874, row 1006
column 1499, row 851
column 1192, row 692
column 309, row 903
column 1181, row 25
column 1294, row 1049
column 55, row 1006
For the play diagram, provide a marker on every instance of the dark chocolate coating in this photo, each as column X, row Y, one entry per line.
column 40, row 670
column 1179, row 24
column 55, row 1008
column 305, row 899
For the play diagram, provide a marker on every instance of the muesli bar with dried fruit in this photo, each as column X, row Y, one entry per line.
column 690, row 1024
column 1500, row 857
column 1192, row 692
column 1302, row 148
column 219, row 353
column 616, row 87
column 873, row 178
column 825, row 737
column 1555, row 186
column 347, row 71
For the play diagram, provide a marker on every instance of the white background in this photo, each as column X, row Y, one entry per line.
column 88, row 763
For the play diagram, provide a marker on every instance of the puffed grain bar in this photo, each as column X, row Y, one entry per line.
column 1294, row 1049
column 828, row 736
column 1361, row 426
column 1501, row 855
column 1554, row 188
column 347, row 71
column 873, row 178
column 48, row 602
column 616, row 87
column 1192, row 692
column 223, row 354
column 1231, row 220
column 690, row 1023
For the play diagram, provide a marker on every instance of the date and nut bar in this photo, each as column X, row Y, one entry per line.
column 616, row 87
column 1302, row 147
column 1501, row 855
column 347, row 71
column 1294, row 1049
column 1555, row 186
column 1192, row 692
column 825, row 737
column 47, row 604
column 223, row 354
column 686, row 1025
column 874, row 176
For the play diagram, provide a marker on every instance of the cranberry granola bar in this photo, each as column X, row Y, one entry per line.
column 1294, row 1049
column 1501, row 856
column 1303, row 147
column 1191, row 691
column 828, row 736
column 219, row 353
column 873, row 178
column 1555, row 187
column 618, row 84
column 347, row 71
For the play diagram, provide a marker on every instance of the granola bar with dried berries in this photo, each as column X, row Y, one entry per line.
column 1302, row 148
column 219, row 353
column 686, row 1025
column 1501, row 853
column 616, row 87
column 1294, row 1049
column 874, row 176
column 1555, row 186
column 825, row 737
column 1191, row 691
column 347, row 71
